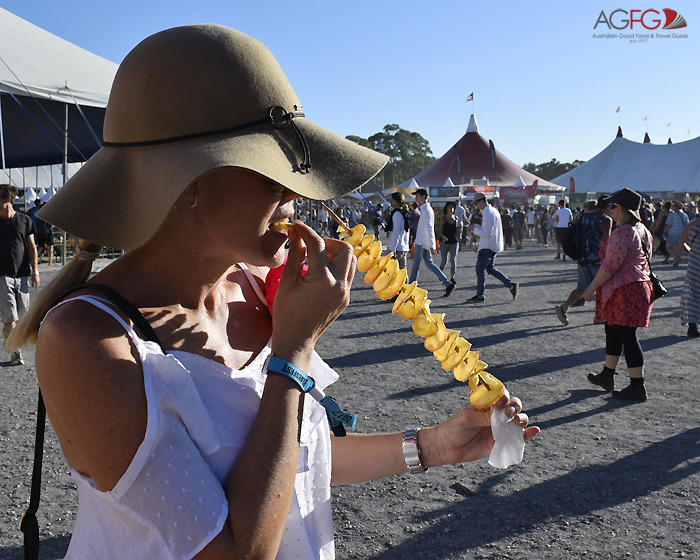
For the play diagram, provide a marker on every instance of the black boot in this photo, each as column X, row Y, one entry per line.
column 635, row 391
column 693, row 331
column 604, row 378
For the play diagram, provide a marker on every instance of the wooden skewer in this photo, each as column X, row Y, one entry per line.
column 336, row 218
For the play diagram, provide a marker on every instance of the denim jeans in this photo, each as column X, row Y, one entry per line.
column 484, row 263
column 426, row 255
column 449, row 250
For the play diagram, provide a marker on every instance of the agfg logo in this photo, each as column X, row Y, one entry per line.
column 617, row 20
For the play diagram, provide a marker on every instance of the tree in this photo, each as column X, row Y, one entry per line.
column 551, row 169
column 409, row 153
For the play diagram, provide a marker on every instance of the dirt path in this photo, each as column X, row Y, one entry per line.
column 604, row 479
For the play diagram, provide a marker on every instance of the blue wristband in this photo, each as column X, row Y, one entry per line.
column 278, row 365
column 336, row 416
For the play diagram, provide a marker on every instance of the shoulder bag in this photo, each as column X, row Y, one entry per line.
column 659, row 289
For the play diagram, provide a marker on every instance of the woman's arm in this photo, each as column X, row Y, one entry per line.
column 686, row 231
column 466, row 436
column 600, row 278
column 441, row 233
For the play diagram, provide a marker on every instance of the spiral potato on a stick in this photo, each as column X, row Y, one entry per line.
column 412, row 303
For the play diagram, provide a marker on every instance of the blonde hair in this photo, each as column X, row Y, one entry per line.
column 75, row 272
column 626, row 217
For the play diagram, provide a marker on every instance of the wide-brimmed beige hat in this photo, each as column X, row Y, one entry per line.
column 188, row 100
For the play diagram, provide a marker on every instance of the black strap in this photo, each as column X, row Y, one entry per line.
column 646, row 252
column 28, row 523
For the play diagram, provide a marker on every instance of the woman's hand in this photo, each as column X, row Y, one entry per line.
column 588, row 293
column 306, row 305
column 466, row 436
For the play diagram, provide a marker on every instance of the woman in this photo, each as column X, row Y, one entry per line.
column 210, row 450
column 659, row 228
column 399, row 227
column 690, row 297
column 624, row 294
column 675, row 223
column 545, row 225
column 449, row 242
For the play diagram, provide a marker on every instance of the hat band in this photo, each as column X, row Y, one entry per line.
column 278, row 117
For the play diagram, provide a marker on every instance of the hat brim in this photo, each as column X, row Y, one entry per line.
column 121, row 197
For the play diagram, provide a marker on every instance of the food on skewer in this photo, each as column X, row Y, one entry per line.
column 282, row 225
column 412, row 303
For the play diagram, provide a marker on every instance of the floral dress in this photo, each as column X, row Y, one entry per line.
column 627, row 297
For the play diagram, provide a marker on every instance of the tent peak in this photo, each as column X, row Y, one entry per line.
column 619, row 132
column 647, row 140
column 472, row 127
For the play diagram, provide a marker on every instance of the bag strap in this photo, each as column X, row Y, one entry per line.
column 28, row 523
column 646, row 252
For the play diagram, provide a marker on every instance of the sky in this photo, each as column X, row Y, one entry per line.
column 544, row 87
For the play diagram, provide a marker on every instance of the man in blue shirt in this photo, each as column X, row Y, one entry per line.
column 595, row 227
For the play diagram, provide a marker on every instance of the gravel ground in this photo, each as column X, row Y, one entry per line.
column 604, row 479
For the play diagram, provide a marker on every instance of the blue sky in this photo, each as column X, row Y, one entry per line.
column 543, row 86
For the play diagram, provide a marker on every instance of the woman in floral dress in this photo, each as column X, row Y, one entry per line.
column 624, row 294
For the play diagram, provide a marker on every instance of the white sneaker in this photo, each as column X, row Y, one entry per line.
column 16, row 359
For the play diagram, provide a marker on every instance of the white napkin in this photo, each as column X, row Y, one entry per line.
column 510, row 443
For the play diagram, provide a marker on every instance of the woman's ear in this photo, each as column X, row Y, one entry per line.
column 190, row 197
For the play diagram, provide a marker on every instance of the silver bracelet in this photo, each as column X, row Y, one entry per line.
column 411, row 453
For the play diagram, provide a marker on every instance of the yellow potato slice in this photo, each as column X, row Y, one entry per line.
column 404, row 294
column 457, row 354
column 438, row 339
column 393, row 288
column 366, row 260
column 356, row 234
column 443, row 352
column 425, row 325
column 488, row 392
column 282, row 225
column 411, row 307
column 386, row 275
column 377, row 268
column 364, row 243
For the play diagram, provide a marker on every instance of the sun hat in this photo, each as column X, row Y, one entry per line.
column 186, row 101
column 628, row 199
column 479, row 196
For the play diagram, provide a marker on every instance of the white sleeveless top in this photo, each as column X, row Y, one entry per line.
column 170, row 503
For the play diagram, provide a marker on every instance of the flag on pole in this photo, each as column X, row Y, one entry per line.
column 471, row 97
column 617, row 110
column 644, row 119
column 669, row 124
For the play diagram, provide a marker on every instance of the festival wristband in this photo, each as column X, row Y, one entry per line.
column 336, row 416
column 278, row 365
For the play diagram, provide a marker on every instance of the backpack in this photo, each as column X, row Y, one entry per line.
column 404, row 215
column 571, row 243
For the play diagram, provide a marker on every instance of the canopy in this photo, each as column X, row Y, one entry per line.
column 41, row 75
column 644, row 167
column 473, row 160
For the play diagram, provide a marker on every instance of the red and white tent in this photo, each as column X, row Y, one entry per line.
column 474, row 162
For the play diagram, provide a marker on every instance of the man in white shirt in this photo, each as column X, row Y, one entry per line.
column 425, row 245
column 460, row 216
column 561, row 218
column 490, row 234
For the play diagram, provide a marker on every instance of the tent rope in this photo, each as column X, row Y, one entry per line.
column 58, row 127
